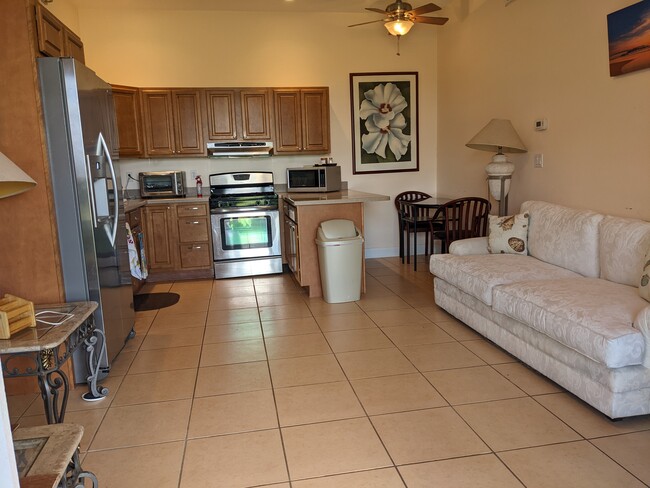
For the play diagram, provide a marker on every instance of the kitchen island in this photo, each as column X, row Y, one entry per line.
column 302, row 213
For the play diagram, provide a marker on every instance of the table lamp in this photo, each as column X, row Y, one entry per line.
column 13, row 180
column 498, row 135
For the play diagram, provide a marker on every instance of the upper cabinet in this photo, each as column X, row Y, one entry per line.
column 239, row 114
column 173, row 124
column 54, row 38
column 222, row 122
column 129, row 120
column 256, row 114
column 302, row 120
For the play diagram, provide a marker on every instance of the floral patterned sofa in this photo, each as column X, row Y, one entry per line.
column 571, row 308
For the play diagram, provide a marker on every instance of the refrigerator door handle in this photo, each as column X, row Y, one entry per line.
column 116, row 200
column 91, row 188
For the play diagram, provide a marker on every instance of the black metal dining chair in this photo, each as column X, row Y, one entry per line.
column 409, row 196
column 461, row 218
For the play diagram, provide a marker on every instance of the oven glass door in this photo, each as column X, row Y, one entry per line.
column 239, row 235
column 159, row 184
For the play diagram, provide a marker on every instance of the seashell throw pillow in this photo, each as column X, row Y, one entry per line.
column 644, row 284
column 508, row 235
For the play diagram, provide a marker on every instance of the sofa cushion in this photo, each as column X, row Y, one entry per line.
column 592, row 316
column 478, row 275
column 564, row 236
column 623, row 244
column 644, row 281
column 508, row 235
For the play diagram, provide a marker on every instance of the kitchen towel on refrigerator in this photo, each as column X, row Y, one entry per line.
column 137, row 270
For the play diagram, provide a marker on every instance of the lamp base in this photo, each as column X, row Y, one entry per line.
column 499, row 185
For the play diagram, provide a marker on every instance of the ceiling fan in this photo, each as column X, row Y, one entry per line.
column 401, row 16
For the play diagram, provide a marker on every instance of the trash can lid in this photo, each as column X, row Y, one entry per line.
column 338, row 228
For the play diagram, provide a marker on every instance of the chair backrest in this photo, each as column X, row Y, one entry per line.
column 410, row 196
column 464, row 218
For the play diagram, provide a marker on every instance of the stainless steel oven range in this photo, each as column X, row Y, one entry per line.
column 245, row 224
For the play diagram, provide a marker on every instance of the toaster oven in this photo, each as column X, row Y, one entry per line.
column 162, row 184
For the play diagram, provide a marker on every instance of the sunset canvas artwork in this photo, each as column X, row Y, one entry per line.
column 629, row 38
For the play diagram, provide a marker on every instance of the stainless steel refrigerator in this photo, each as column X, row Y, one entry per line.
column 82, row 147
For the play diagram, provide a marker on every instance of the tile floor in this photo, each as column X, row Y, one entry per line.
column 249, row 382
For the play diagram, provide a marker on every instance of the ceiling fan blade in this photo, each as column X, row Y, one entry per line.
column 431, row 20
column 364, row 23
column 425, row 9
column 379, row 11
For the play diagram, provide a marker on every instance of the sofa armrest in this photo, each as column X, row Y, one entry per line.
column 642, row 322
column 475, row 245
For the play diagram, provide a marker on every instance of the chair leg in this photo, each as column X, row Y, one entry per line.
column 407, row 246
column 401, row 240
column 415, row 248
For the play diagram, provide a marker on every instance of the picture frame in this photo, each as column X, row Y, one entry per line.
column 627, row 32
column 384, row 108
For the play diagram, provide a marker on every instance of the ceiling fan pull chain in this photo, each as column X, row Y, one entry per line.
column 398, row 45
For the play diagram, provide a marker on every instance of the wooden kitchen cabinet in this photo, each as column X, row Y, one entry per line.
column 256, row 114
column 302, row 120
column 173, row 122
column 291, row 239
column 129, row 120
column 222, row 121
column 54, row 38
column 161, row 237
column 242, row 114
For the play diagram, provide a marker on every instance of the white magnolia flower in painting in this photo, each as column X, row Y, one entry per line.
column 390, row 135
column 382, row 104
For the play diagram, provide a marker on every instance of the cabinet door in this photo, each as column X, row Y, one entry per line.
column 161, row 237
column 188, row 124
column 256, row 114
column 315, row 120
column 73, row 46
column 50, row 31
column 129, row 120
column 221, row 115
column 288, row 127
column 158, row 122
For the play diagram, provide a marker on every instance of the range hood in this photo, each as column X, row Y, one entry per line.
column 240, row 149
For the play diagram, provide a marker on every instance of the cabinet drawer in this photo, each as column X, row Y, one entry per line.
column 193, row 229
column 198, row 209
column 135, row 217
column 195, row 255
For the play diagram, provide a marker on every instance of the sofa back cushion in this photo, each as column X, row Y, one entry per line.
column 623, row 245
column 564, row 236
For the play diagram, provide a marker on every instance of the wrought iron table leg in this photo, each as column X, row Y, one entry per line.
column 50, row 381
column 95, row 392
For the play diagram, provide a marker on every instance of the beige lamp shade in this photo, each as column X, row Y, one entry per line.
column 13, row 180
column 399, row 27
column 498, row 135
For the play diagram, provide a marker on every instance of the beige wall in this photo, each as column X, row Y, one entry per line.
column 544, row 58
column 185, row 48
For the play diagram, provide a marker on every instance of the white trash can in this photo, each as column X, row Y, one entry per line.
column 340, row 254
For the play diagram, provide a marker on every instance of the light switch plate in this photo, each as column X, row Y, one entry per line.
column 538, row 161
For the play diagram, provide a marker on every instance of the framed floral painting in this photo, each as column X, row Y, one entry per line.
column 384, row 122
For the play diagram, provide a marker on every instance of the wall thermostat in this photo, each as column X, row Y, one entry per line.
column 541, row 124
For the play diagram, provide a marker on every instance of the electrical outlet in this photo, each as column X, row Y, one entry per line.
column 538, row 161
column 193, row 174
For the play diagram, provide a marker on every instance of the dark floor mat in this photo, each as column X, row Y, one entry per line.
column 154, row 301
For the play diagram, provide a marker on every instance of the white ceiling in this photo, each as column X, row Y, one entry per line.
column 247, row 5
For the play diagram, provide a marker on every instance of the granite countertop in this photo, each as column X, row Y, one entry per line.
column 332, row 198
column 133, row 203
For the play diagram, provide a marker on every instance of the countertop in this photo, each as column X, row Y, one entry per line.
column 131, row 204
column 332, row 198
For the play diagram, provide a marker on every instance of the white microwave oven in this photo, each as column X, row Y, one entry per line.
column 314, row 178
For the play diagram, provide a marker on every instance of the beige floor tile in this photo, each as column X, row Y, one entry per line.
column 297, row 346
column 389, row 317
column 307, row 370
column 489, row 352
column 358, row 340
column 458, row 330
column 447, row 355
column 172, row 338
column 223, row 289
column 318, row 306
column 435, row 313
column 471, row 385
column 156, row 288
column 427, row 435
column 133, row 344
column 280, row 299
column 156, row 387
column 374, row 363
column 261, row 290
column 288, row 327
column 317, row 403
column 136, row 425
column 122, row 362
column 527, row 379
column 631, row 451
column 418, row 299
column 166, row 359
column 232, row 378
column 485, row 471
column 76, row 403
column 232, row 333
column 333, row 447
column 249, row 459
column 235, row 413
column 381, row 303
column 575, row 464
column 187, row 304
column 179, row 321
column 157, row 466
column 232, row 352
column 232, row 303
column 193, row 288
column 412, row 335
column 18, row 404
column 389, row 394
column 588, row 421
column 143, row 323
column 377, row 478
column 238, row 316
column 278, row 312
column 514, row 424
column 277, row 280
column 345, row 321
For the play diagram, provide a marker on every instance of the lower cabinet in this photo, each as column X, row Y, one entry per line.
column 136, row 222
column 178, row 241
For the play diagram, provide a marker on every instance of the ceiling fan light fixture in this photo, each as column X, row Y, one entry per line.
column 398, row 27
